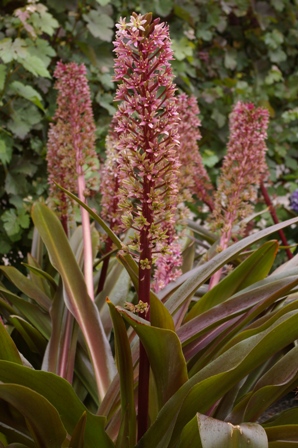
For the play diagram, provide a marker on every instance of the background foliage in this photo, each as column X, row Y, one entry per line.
column 224, row 50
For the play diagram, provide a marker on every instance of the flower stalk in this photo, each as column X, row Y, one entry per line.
column 193, row 177
column 275, row 219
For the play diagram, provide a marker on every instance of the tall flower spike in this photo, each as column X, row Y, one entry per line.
column 72, row 160
column 71, row 139
column 243, row 168
column 193, row 177
column 147, row 124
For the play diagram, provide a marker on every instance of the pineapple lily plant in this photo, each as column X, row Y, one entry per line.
column 148, row 342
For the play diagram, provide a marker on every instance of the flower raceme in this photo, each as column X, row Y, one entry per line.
column 147, row 126
column 72, row 160
column 244, row 167
column 193, row 177
column 71, row 139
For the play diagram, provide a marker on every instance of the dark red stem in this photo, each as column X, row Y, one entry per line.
column 144, row 295
column 275, row 219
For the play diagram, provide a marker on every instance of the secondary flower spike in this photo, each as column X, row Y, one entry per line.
column 244, row 167
column 193, row 177
column 147, row 126
column 71, row 138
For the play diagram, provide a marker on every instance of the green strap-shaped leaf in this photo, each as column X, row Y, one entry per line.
column 8, row 350
column 202, row 273
column 44, row 279
column 16, row 445
column 273, row 385
column 240, row 329
column 33, row 313
column 287, row 417
column 61, row 395
column 77, row 299
column 35, row 341
column 78, row 435
column 26, row 285
column 210, row 384
column 116, row 287
column 262, row 294
column 165, row 355
column 43, row 420
column 127, row 433
column 208, row 432
column 283, row 432
column 255, row 268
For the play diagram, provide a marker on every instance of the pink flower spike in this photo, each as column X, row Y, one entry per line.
column 193, row 177
column 244, row 167
column 71, row 138
column 147, row 127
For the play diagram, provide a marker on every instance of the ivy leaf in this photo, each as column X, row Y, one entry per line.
column 5, row 152
column 35, row 65
column 105, row 101
column 182, row 48
column 24, row 167
column 14, row 220
column 10, row 50
column 219, row 118
column 204, row 33
column 44, row 21
column 27, row 92
column 6, row 53
column 210, row 159
column 23, row 219
column 23, row 120
column 274, row 75
column 41, row 49
column 9, row 218
column 230, row 59
column 100, row 25
column 2, row 76
column 290, row 115
column 15, row 184
column 277, row 55
column 5, row 247
column 274, row 39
